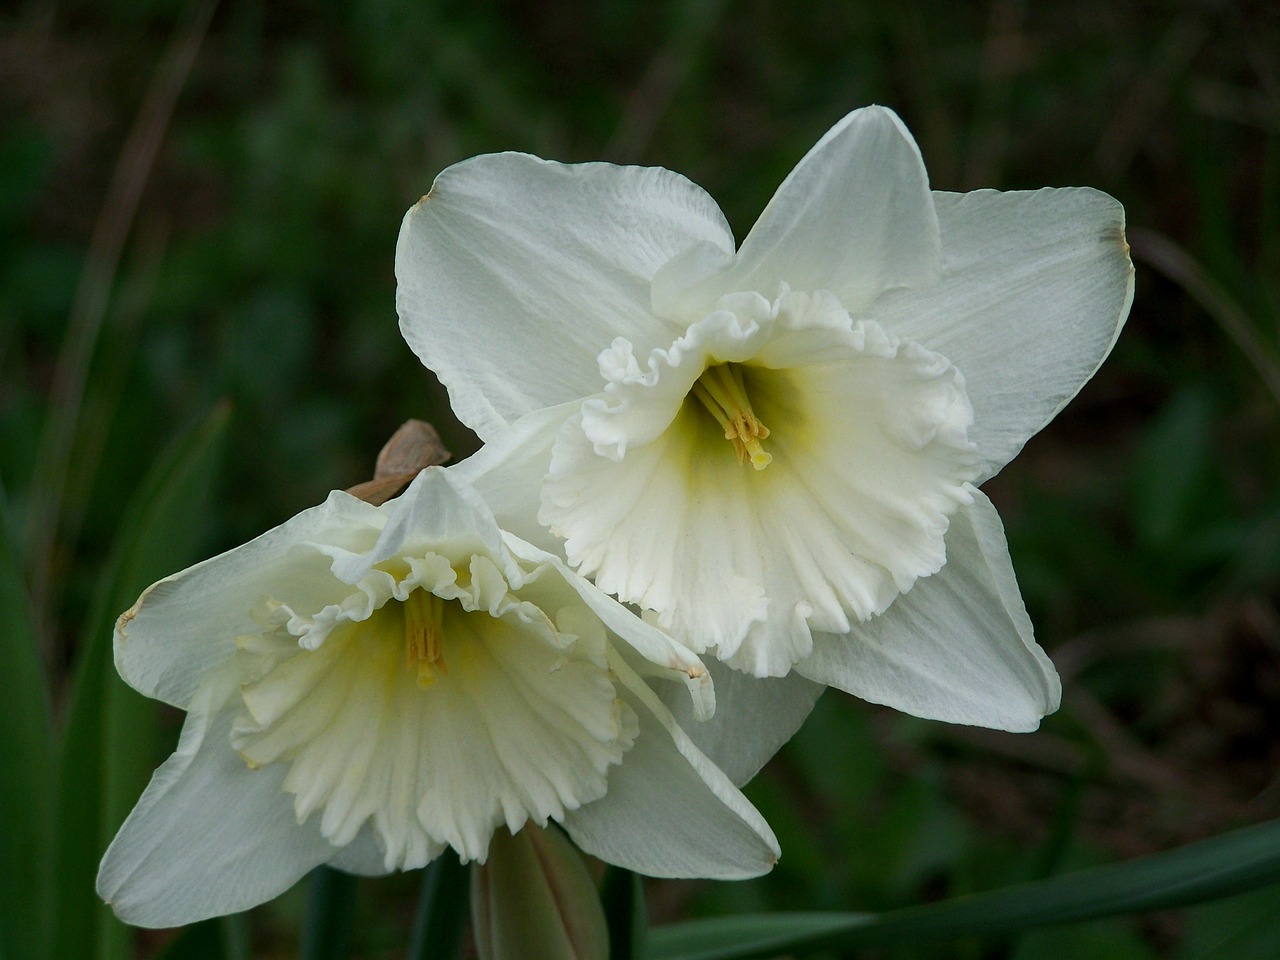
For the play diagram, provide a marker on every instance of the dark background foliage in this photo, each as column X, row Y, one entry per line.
column 200, row 202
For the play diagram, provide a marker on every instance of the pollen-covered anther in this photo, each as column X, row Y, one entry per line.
column 424, row 636
column 722, row 391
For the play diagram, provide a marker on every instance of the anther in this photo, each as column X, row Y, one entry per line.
column 722, row 391
column 424, row 636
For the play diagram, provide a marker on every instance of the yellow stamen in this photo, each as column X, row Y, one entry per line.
column 424, row 636
column 722, row 392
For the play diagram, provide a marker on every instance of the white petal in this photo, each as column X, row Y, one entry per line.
column 1035, row 287
column 363, row 856
column 508, row 471
column 186, row 625
column 754, row 717
column 514, row 272
column 438, row 513
column 667, row 657
column 209, row 836
column 854, row 217
column 670, row 812
column 957, row 647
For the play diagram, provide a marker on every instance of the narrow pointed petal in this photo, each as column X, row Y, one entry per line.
column 1035, row 288
column 854, row 217
column 514, row 272
column 186, row 625
column 754, row 717
column 671, row 812
column 210, row 836
column 957, row 647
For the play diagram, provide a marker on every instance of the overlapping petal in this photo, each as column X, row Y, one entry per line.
column 855, row 217
column 209, row 836
column 958, row 646
column 193, row 617
column 513, row 272
column 1035, row 288
column 670, row 811
column 754, row 717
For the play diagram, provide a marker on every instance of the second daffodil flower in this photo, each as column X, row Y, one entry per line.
column 366, row 686
column 775, row 449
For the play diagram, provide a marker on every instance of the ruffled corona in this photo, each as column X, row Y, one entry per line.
column 749, row 547
column 440, row 706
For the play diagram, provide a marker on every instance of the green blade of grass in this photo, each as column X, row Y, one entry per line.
column 626, row 912
column 26, row 767
column 1232, row 863
column 112, row 737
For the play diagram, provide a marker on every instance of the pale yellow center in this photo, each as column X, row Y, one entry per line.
column 722, row 392
column 424, row 636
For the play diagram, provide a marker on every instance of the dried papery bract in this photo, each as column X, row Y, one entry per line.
column 411, row 449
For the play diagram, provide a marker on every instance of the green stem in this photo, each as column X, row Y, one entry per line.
column 331, row 903
column 442, row 910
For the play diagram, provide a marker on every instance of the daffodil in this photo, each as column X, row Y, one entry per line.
column 775, row 449
column 368, row 685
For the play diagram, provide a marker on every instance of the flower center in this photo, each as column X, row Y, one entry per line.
column 424, row 636
column 722, row 392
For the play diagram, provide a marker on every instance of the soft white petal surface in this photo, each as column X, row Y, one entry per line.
column 209, row 836
column 507, row 473
column 854, row 217
column 754, row 717
column 513, row 272
column 185, row 626
column 362, row 856
column 1035, row 287
column 957, row 647
column 670, row 812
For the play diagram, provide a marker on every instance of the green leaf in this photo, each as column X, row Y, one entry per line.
column 1241, row 928
column 442, row 910
column 112, row 738
column 1232, row 863
column 331, row 905
column 26, row 767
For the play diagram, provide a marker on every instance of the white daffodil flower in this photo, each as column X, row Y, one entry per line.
column 774, row 449
column 368, row 685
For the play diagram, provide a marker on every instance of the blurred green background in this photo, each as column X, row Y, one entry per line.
column 199, row 203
